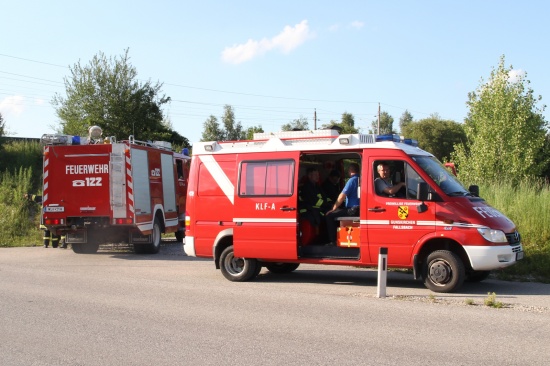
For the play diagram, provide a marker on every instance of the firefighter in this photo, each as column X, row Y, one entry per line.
column 47, row 237
column 312, row 199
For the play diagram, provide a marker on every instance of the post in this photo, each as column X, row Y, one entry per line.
column 382, row 272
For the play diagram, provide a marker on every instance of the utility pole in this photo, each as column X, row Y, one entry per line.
column 315, row 118
column 378, row 118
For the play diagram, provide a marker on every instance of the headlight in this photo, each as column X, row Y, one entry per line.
column 492, row 235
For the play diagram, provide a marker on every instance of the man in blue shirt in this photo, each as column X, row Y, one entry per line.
column 350, row 196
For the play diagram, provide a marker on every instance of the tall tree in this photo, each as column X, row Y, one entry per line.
column 436, row 135
column 250, row 131
column 233, row 130
column 505, row 130
column 299, row 124
column 386, row 124
column 211, row 130
column 405, row 119
column 106, row 93
column 346, row 124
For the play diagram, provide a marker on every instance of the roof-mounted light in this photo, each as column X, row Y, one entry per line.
column 209, row 147
column 388, row 137
column 410, row 142
column 343, row 140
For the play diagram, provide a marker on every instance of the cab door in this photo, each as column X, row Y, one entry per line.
column 394, row 222
column 265, row 210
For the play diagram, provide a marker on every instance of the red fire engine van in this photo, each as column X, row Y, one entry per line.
column 243, row 210
column 128, row 191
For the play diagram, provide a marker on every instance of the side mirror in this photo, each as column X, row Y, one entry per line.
column 422, row 192
column 474, row 190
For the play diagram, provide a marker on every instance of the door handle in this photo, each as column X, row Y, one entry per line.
column 377, row 209
column 286, row 208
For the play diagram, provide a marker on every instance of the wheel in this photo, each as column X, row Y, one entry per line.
column 477, row 276
column 77, row 248
column 180, row 235
column 85, row 248
column 281, row 267
column 237, row 269
column 443, row 271
column 154, row 247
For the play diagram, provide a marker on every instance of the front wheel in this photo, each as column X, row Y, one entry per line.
column 443, row 271
column 281, row 267
column 477, row 276
column 237, row 269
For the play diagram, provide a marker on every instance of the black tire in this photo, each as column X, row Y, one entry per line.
column 237, row 269
column 443, row 271
column 180, row 235
column 477, row 276
column 281, row 267
column 154, row 247
column 85, row 248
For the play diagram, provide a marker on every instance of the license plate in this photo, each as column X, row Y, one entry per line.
column 54, row 209
column 519, row 255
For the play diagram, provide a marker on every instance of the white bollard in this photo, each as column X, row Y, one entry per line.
column 382, row 272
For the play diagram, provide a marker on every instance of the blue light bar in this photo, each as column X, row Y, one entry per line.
column 410, row 142
column 389, row 137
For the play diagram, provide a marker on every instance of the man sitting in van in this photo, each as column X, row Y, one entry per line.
column 350, row 196
column 383, row 184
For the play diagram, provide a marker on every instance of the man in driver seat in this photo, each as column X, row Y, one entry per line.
column 384, row 185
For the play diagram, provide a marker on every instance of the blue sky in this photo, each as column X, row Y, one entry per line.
column 273, row 61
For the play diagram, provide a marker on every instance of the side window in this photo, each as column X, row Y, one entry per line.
column 412, row 179
column 389, row 176
column 266, row 178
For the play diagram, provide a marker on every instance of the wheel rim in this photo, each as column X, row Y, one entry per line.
column 156, row 235
column 440, row 272
column 234, row 265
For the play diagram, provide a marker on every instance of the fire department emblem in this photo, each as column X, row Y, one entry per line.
column 403, row 212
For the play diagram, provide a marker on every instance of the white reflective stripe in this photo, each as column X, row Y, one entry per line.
column 219, row 176
column 374, row 222
column 264, row 220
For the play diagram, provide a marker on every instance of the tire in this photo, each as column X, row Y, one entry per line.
column 443, row 271
column 180, row 235
column 237, row 269
column 281, row 267
column 154, row 247
column 477, row 276
column 85, row 248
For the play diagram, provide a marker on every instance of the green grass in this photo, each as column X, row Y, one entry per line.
column 527, row 205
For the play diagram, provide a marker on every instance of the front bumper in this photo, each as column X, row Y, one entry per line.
column 487, row 258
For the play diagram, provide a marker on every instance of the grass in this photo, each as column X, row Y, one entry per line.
column 491, row 301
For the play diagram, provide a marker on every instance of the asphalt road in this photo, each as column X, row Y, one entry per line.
column 118, row 308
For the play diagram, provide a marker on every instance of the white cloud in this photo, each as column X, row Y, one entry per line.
column 12, row 105
column 515, row 76
column 357, row 24
column 286, row 41
column 334, row 27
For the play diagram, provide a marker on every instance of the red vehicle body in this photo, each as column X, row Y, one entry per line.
column 128, row 191
column 242, row 210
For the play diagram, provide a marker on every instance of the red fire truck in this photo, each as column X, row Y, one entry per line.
column 128, row 191
column 243, row 210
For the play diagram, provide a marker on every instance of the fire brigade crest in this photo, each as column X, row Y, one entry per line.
column 403, row 212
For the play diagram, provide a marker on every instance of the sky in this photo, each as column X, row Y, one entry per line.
column 273, row 61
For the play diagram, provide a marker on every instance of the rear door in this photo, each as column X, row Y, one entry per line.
column 265, row 213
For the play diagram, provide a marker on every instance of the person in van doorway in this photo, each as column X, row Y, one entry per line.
column 383, row 185
column 331, row 186
column 312, row 199
column 350, row 196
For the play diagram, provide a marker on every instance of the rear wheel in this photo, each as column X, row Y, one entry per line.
column 180, row 234
column 281, row 267
column 237, row 269
column 443, row 271
column 154, row 247
column 85, row 248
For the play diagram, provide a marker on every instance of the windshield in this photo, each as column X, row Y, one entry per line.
column 441, row 176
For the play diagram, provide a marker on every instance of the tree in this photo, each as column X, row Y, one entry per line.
column 386, row 124
column 1, row 129
column 233, row 130
column 405, row 119
column 106, row 93
column 505, row 130
column 212, row 130
column 435, row 135
column 299, row 124
column 346, row 125
column 250, row 131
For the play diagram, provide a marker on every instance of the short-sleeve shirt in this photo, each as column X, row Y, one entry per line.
column 379, row 186
column 350, row 190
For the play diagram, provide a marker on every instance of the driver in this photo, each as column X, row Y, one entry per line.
column 383, row 185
